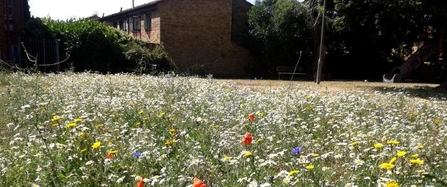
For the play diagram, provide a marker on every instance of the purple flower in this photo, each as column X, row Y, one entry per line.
column 136, row 154
column 297, row 150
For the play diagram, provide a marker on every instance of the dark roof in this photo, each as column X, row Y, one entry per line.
column 93, row 17
column 138, row 10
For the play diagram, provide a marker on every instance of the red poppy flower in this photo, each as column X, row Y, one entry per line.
column 198, row 183
column 251, row 117
column 140, row 183
column 247, row 139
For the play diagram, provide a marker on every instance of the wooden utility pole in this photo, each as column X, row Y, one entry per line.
column 321, row 53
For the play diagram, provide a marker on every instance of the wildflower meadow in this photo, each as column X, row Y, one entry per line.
column 85, row 129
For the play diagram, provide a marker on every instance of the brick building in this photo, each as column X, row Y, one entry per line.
column 13, row 14
column 198, row 34
column 2, row 31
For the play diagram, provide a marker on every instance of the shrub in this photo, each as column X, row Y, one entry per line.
column 94, row 46
column 151, row 59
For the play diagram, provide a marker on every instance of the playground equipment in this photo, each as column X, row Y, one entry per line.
column 398, row 74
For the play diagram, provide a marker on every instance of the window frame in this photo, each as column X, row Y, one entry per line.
column 148, row 21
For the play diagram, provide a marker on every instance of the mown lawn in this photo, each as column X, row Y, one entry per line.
column 123, row 130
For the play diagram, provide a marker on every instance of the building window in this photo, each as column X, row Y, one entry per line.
column 10, row 13
column 123, row 25
column 147, row 22
column 130, row 24
column 10, row 9
column 136, row 23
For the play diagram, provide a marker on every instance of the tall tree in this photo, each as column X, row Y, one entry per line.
column 364, row 32
column 280, row 30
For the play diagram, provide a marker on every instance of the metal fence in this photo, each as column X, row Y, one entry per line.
column 43, row 51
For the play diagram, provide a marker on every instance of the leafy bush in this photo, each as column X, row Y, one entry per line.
column 94, row 46
column 149, row 60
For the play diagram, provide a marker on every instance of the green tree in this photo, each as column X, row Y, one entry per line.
column 280, row 30
column 361, row 34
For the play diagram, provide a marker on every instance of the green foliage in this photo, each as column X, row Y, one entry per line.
column 94, row 46
column 280, row 28
column 359, row 34
column 149, row 60
column 363, row 33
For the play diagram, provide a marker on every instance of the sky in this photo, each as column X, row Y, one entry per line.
column 67, row 9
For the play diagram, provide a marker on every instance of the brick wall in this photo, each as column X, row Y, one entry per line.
column 239, row 29
column 198, row 33
column 155, row 28
column 2, row 30
column 9, row 37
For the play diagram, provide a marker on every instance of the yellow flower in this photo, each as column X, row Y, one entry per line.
column 113, row 151
column 140, row 112
column 286, row 180
column 309, row 108
column 83, row 150
column 392, row 184
column 387, row 166
column 55, row 124
column 293, row 172
column 417, row 161
column 315, row 155
column 97, row 126
column 138, row 178
column 96, row 145
column 412, row 115
column 77, row 120
column 84, row 136
column 354, row 143
column 378, row 145
column 420, row 147
column 248, row 154
column 56, row 119
column 401, row 153
column 172, row 132
column 393, row 160
column 437, row 121
column 310, row 167
column 393, row 142
column 414, row 156
column 168, row 143
column 70, row 125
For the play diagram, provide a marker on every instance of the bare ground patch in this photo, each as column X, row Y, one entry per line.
column 328, row 85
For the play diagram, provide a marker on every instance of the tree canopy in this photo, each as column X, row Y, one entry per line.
column 279, row 27
column 359, row 34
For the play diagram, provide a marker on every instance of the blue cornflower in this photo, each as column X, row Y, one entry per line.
column 137, row 154
column 297, row 150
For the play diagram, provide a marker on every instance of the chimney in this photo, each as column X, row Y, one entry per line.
column 133, row 3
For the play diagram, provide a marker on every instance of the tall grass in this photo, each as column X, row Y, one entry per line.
column 116, row 130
